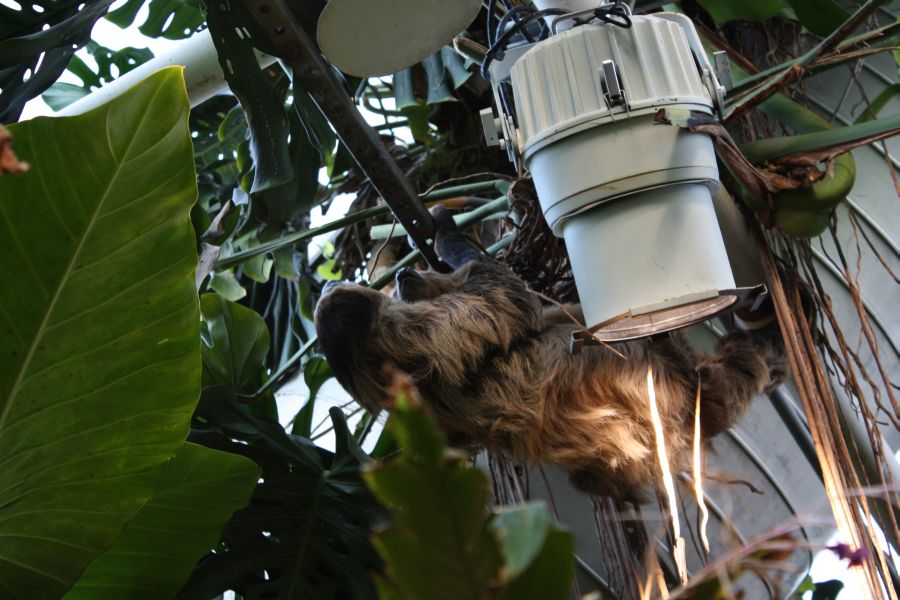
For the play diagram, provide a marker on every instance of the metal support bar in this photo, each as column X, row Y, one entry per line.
column 795, row 422
column 317, row 76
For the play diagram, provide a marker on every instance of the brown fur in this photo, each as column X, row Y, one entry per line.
column 496, row 373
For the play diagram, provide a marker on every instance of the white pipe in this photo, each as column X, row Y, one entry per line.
column 202, row 74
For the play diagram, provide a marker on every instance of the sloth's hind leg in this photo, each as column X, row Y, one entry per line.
column 745, row 364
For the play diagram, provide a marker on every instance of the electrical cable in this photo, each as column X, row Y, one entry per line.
column 514, row 13
column 619, row 15
column 490, row 16
column 498, row 38
column 498, row 46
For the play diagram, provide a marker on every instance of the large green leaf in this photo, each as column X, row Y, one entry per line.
column 539, row 554
column 819, row 16
column 100, row 347
column 733, row 10
column 199, row 490
column 236, row 341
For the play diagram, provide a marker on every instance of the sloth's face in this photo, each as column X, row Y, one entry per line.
column 414, row 286
column 351, row 319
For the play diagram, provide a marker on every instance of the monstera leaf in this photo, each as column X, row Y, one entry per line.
column 197, row 494
column 305, row 533
column 235, row 344
column 62, row 94
column 37, row 40
column 171, row 19
column 99, row 328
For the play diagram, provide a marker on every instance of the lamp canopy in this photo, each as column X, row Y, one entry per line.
column 378, row 37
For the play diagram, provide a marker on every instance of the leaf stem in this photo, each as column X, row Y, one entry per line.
column 351, row 219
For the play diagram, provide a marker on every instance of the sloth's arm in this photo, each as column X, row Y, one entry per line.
column 453, row 246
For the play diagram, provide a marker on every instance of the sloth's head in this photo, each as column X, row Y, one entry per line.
column 413, row 286
column 347, row 316
column 360, row 329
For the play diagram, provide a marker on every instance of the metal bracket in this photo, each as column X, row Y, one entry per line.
column 489, row 125
column 614, row 93
column 506, row 132
column 708, row 73
column 310, row 70
column 722, row 67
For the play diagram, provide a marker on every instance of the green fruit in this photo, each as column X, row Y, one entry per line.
column 825, row 194
column 802, row 223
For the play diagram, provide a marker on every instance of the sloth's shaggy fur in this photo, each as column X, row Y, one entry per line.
column 496, row 370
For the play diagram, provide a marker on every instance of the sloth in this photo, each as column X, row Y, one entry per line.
column 495, row 369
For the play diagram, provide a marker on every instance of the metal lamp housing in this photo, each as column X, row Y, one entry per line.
column 631, row 198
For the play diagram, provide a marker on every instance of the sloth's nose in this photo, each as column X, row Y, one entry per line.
column 406, row 273
column 329, row 286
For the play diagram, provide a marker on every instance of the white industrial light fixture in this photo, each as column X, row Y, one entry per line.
column 631, row 198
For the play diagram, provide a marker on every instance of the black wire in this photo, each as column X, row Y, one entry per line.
column 514, row 13
column 489, row 21
column 617, row 15
column 498, row 47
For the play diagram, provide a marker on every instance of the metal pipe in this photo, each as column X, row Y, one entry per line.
column 796, row 425
column 203, row 76
column 868, row 467
column 316, row 76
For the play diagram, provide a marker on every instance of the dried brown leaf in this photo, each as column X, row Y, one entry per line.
column 9, row 162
